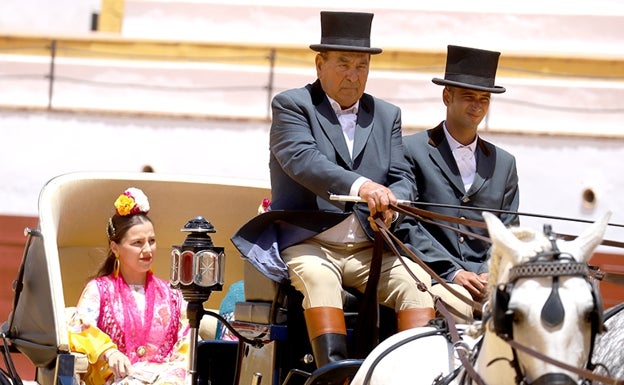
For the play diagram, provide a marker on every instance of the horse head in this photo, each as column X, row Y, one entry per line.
column 541, row 297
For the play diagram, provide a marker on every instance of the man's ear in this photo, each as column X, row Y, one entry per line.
column 447, row 96
column 318, row 61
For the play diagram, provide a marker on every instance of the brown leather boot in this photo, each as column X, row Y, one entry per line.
column 328, row 334
column 411, row 318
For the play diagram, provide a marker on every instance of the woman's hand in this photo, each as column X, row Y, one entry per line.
column 118, row 363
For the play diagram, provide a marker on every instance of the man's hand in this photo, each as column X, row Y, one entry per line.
column 378, row 197
column 476, row 284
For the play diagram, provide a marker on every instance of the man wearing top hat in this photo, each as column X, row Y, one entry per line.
column 453, row 165
column 330, row 137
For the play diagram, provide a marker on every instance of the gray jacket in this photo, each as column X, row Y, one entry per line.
column 309, row 160
column 438, row 181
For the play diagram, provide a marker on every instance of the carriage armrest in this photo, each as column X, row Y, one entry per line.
column 260, row 293
column 256, row 312
column 258, row 287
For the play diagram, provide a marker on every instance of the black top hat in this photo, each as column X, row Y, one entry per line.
column 470, row 68
column 345, row 31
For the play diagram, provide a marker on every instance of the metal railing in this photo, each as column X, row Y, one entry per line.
column 272, row 58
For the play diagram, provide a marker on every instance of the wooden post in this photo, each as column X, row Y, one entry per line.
column 111, row 16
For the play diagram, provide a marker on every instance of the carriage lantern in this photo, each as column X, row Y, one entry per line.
column 196, row 270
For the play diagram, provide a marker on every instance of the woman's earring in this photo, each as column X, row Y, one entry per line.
column 116, row 266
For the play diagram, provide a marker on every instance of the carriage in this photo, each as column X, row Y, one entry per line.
column 69, row 244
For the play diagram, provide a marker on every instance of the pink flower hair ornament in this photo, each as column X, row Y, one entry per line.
column 132, row 201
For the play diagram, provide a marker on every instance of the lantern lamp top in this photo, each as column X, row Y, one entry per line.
column 199, row 224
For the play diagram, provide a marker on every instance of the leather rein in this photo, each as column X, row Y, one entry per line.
column 383, row 233
column 430, row 216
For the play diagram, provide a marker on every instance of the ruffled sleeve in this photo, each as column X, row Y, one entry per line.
column 88, row 308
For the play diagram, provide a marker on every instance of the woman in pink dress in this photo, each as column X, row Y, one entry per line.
column 129, row 322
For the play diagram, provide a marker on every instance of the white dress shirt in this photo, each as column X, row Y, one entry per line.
column 349, row 230
column 464, row 157
column 467, row 164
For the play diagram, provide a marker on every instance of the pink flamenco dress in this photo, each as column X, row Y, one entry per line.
column 143, row 321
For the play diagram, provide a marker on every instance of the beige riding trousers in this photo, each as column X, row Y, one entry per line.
column 320, row 270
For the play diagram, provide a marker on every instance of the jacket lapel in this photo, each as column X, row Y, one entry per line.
column 329, row 122
column 485, row 166
column 364, row 125
column 440, row 153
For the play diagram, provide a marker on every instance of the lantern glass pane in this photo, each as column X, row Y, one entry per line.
column 186, row 267
column 174, row 273
column 208, row 268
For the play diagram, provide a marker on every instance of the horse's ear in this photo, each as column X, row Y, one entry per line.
column 500, row 235
column 589, row 239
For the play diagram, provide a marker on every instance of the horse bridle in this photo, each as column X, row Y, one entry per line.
column 545, row 264
column 552, row 264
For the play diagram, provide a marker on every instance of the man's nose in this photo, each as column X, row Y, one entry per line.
column 477, row 106
column 352, row 75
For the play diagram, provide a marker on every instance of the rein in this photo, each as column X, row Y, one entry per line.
column 429, row 216
column 382, row 232
column 580, row 371
column 391, row 240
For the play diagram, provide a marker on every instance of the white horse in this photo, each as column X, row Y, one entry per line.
column 540, row 296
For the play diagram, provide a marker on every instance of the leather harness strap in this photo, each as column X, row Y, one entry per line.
column 456, row 339
column 426, row 215
column 367, row 323
column 588, row 374
column 392, row 240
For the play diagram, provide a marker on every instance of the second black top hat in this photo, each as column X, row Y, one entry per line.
column 471, row 68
